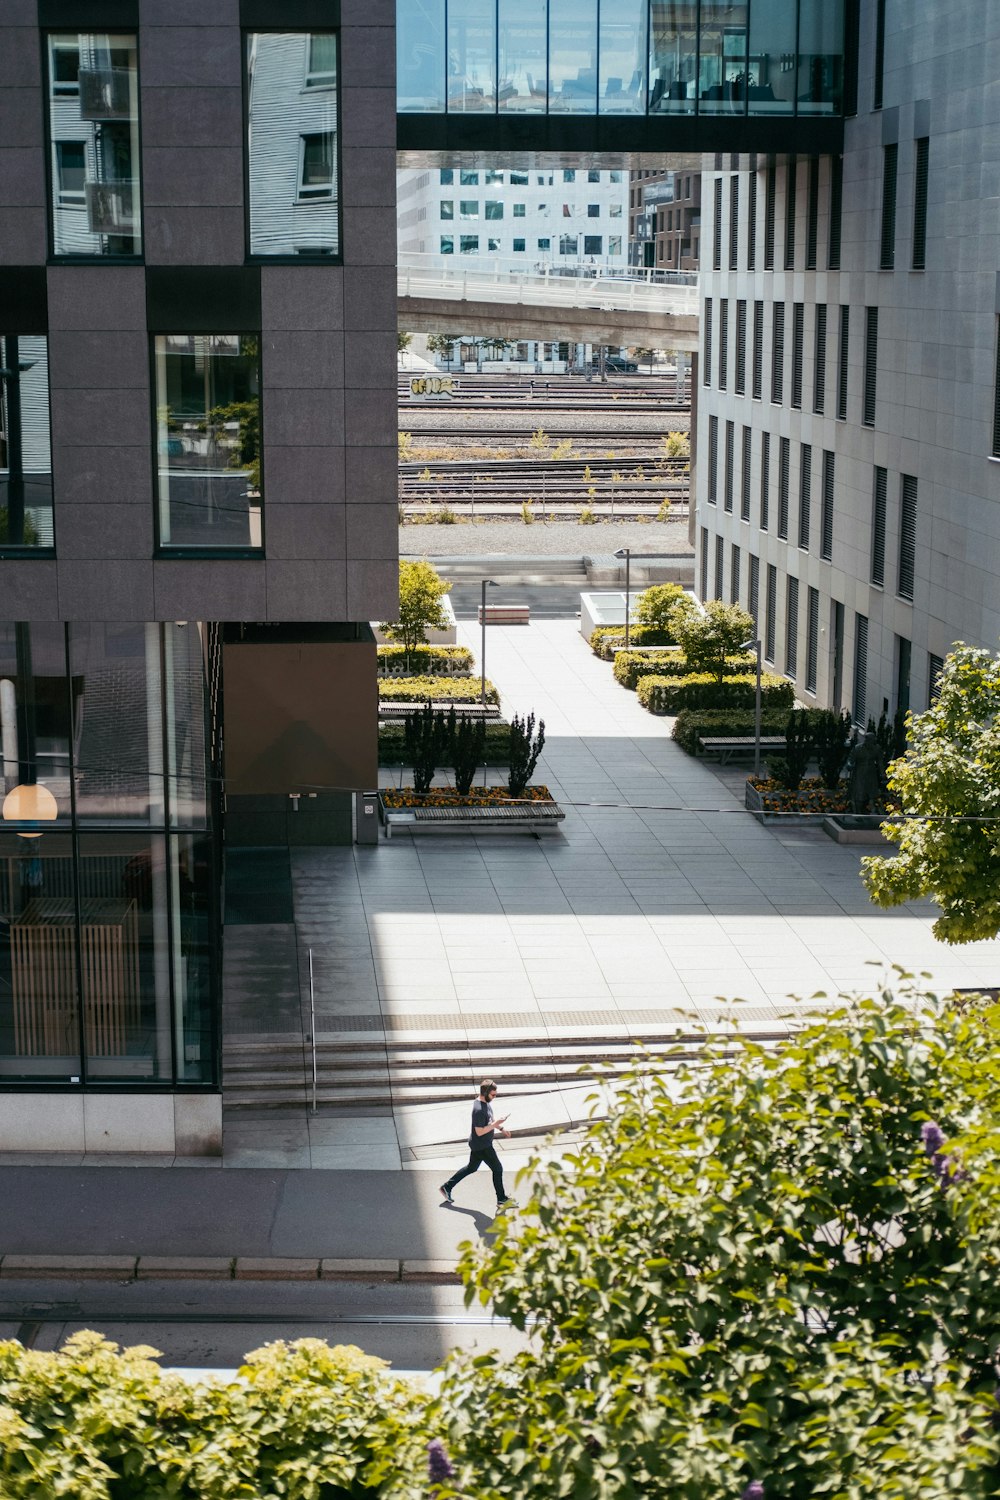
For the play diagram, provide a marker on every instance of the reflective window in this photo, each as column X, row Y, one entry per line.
column 673, row 57
column 493, row 246
column 518, row 246
column 520, row 209
column 469, row 179
column 772, row 59
column 471, row 55
column 208, row 440
column 447, row 244
column 519, row 179
column 25, row 448
column 522, row 81
column 493, row 177
column 420, row 58
column 447, row 176
column 469, row 208
column 292, row 155
column 545, row 244
column 94, row 141
column 568, row 244
column 494, row 208
column 820, row 73
column 615, row 245
column 447, row 208
column 573, row 56
column 622, row 78
column 722, row 58
column 593, row 244
column 468, row 244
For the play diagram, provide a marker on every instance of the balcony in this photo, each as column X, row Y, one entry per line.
column 109, row 208
column 105, row 94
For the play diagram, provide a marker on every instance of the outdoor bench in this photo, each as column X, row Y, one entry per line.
column 528, row 818
column 737, row 746
column 506, row 614
column 392, row 709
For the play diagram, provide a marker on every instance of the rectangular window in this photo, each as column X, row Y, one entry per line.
column 879, row 490
column 770, row 194
column 758, row 350
column 494, row 208
column 765, row 480
column 93, row 129
column 704, row 563
column 447, row 244
column 798, row 350
column 745, row 476
column 293, row 144
column 316, row 179
column 569, row 174
column 493, row 177
column 935, row 666
column 730, row 463
column 826, row 528
column 706, row 374
column 614, row 244
column 717, row 228
column 741, row 348
column 720, row 561
column 812, row 641
column 812, row 226
column 920, row 175
column 447, row 208
column 734, row 223
column 771, row 613
column 25, row 450
column 545, row 244
column 468, row 178
column 208, row 440
column 468, row 208
column 593, row 244
column 887, row 246
column 907, row 536
column 871, row 365
column 778, row 354
column 859, row 709
column 517, row 179
column 753, row 590
column 791, row 171
column 805, row 495
column 569, row 244
column 836, row 212
column 819, row 366
column 791, row 627
column 446, row 176
column 713, row 459
column 468, row 244
column 752, row 223
column 784, row 466
column 593, row 210
column 879, row 54
column 518, row 245
column 842, row 353
column 321, row 72
column 734, row 574
column 723, row 342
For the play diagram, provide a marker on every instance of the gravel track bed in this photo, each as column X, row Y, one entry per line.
column 601, row 419
column 543, row 538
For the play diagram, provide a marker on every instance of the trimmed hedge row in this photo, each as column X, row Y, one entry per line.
column 434, row 661
column 693, row 725
column 438, row 689
column 669, row 695
column 496, row 743
column 604, row 638
column 630, row 666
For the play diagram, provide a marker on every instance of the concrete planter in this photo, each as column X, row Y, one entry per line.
column 464, row 815
column 754, row 803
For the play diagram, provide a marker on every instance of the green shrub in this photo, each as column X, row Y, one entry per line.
column 654, row 605
column 435, row 661
column 440, row 689
column 693, row 725
column 495, row 751
column 630, row 666
column 421, row 590
column 668, row 695
column 604, row 638
column 709, row 638
column 526, row 745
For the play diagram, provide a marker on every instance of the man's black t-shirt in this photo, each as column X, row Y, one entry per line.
column 482, row 1114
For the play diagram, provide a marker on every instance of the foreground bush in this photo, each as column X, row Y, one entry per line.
column 306, row 1421
column 438, row 689
column 693, row 725
column 669, row 695
column 604, row 638
column 433, row 661
column 630, row 666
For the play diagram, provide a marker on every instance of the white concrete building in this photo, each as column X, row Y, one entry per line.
column 848, row 472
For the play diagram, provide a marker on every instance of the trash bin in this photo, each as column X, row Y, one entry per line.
column 366, row 818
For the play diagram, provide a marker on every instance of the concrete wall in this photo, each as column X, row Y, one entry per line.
column 167, row 1124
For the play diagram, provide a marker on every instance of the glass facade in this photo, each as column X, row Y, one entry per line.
column 108, row 891
column 292, row 149
column 208, row 440
column 587, row 57
column 93, row 98
column 25, row 443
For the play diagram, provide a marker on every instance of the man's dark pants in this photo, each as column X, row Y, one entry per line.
column 478, row 1155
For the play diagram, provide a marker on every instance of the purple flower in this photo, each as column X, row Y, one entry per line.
column 932, row 1136
column 439, row 1465
column 754, row 1490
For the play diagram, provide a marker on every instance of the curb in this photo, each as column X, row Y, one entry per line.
column 223, row 1268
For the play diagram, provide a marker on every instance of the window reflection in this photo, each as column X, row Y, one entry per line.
column 621, row 81
column 208, row 439
column 522, row 53
column 820, row 71
column 471, row 55
column 573, row 56
column 25, row 447
column 292, row 123
column 94, row 140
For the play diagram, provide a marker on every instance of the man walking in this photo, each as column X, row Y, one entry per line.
column 481, row 1147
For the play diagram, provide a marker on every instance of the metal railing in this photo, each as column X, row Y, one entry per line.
column 578, row 284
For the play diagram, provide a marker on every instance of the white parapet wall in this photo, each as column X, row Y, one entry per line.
column 446, row 637
column 607, row 609
column 161, row 1124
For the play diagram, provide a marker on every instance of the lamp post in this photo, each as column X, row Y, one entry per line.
column 755, row 646
column 626, row 552
column 488, row 583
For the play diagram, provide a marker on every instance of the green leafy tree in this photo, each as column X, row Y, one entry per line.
column 771, row 1273
column 707, row 639
column 640, row 353
column 421, row 590
column 655, row 605
column 403, row 341
column 443, row 345
column 947, row 787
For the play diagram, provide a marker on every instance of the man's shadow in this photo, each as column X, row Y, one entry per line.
column 484, row 1223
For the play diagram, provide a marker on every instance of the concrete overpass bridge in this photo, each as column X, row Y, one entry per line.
column 655, row 309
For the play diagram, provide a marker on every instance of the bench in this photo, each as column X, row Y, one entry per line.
column 505, row 614
column 528, row 818
column 737, row 747
column 392, row 709
column 642, row 650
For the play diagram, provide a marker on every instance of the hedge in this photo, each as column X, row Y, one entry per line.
column 603, row 638
column 693, row 725
column 440, row 661
column 631, row 666
column 439, row 689
column 496, row 744
column 668, row 695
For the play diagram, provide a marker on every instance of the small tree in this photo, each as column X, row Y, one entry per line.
column 443, row 345
column 525, row 748
column 832, row 743
column 708, row 639
column 425, row 737
column 421, row 590
column 403, row 342
column 653, row 607
column 640, row 353
column 466, row 739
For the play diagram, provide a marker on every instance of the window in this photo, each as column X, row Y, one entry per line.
column 758, row 350
column 717, row 228
column 730, row 464
column 494, row 208
column 778, row 354
column 812, row 221
column 713, row 459
column 859, row 710
column 568, row 244
column 842, row 352
column 752, row 224
column 871, row 365
column 447, row 208
column 791, row 627
column 734, row 574
column 879, row 54
column 819, row 367
column 569, row 174
column 720, row 563
column 879, row 490
column 741, row 348
column 614, row 176
column 920, row 174
column 812, row 641
column 468, row 244
column 468, row 179
column 790, row 176
column 703, row 560
column 836, row 212
column 826, row 526
column 469, row 208
column 593, row 210
column 492, row 178
column 784, row 466
column 770, row 613
column 593, row 244
column 25, row 454
column 545, row 244
column 734, row 223
column 446, row 176
column 765, row 480
column 706, row 374
column 614, row 210
column 805, row 495
column 519, row 210
column 745, row 476
column 208, row 440
column 517, row 179
column 518, row 246
column 322, row 70
column 447, row 244
column 723, row 342
column 753, row 590
column 493, row 245
column 593, row 176
column 770, row 194
column 93, row 131
column 316, row 180
column 907, row 536
column 798, row 345
column 887, row 247
column 935, row 667
column 614, row 244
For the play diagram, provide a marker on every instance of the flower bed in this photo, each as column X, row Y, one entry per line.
column 435, row 661
column 445, row 796
column 810, row 804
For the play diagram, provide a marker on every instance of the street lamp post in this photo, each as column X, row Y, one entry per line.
column 755, row 646
column 488, row 583
column 626, row 552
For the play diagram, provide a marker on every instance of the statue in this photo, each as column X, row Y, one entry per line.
column 866, row 775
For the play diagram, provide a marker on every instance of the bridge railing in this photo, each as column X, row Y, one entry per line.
column 577, row 284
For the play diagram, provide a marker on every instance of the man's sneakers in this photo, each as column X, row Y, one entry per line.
column 505, row 1203
column 446, row 1193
